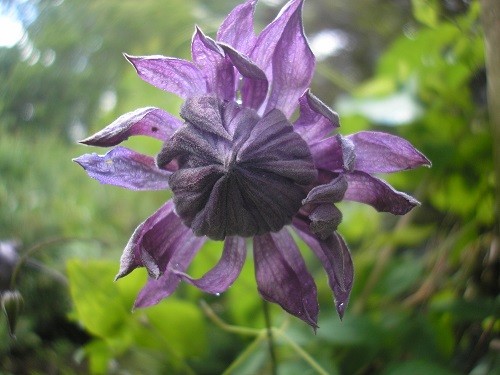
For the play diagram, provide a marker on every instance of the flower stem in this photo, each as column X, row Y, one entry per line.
column 227, row 327
column 244, row 355
column 260, row 336
column 270, row 339
column 302, row 353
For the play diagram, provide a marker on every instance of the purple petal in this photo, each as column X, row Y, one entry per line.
column 316, row 119
column 150, row 121
column 265, row 46
column 154, row 242
column 131, row 257
column 293, row 65
column 254, row 83
column 378, row 152
column 161, row 241
column 217, row 69
column 334, row 154
column 223, row 275
column 377, row 193
column 237, row 28
column 157, row 289
column 177, row 76
column 336, row 260
column 282, row 276
column 327, row 193
column 125, row 168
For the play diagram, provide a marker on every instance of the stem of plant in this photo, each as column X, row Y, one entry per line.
column 270, row 339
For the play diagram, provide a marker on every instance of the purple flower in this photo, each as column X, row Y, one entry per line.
column 240, row 168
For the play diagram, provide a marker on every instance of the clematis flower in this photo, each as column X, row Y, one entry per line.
column 240, row 168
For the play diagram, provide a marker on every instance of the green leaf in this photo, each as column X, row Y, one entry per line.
column 99, row 305
column 426, row 11
column 99, row 356
column 353, row 330
column 418, row 367
column 178, row 324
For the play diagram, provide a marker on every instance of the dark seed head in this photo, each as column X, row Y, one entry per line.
column 239, row 174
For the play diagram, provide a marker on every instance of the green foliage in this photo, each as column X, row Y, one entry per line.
column 173, row 330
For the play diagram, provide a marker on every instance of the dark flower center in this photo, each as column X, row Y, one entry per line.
column 238, row 174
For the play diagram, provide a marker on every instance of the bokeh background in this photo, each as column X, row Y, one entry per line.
column 425, row 298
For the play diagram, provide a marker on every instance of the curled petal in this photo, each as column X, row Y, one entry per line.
column 237, row 28
column 334, row 154
column 155, row 242
column 131, row 257
column 378, row 152
column 177, row 76
column 293, row 65
column 157, row 289
column 327, row 193
column 223, row 275
column 125, row 168
column 254, row 83
column 377, row 193
column 216, row 67
column 325, row 219
column 348, row 153
column 149, row 121
column 316, row 119
column 282, row 276
column 336, row 260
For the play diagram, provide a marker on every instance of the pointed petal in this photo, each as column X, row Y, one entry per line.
column 327, row 193
column 177, row 76
column 237, row 28
column 266, row 43
column 157, row 289
column 214, row 65
column 226, row 271
column 378, row 152
column 293, row 65
column 162, row 241
column 316, row 119
column 149, row 121
column 334, row 154
column 131, row 257
column 154, row 242
column 336, row 260
column 282, row 276
column 254, row 83
column 377, row 193
column 125, row 168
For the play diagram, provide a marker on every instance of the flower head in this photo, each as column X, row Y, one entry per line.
column 239, row 167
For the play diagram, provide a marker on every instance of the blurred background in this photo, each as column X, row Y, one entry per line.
column 425, row 298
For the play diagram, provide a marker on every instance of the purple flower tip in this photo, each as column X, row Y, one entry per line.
column 240, row 168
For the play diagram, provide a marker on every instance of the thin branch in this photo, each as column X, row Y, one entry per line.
column 260, row 334
column 270, row 339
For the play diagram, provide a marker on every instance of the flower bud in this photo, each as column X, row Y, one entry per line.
column 12, row 303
